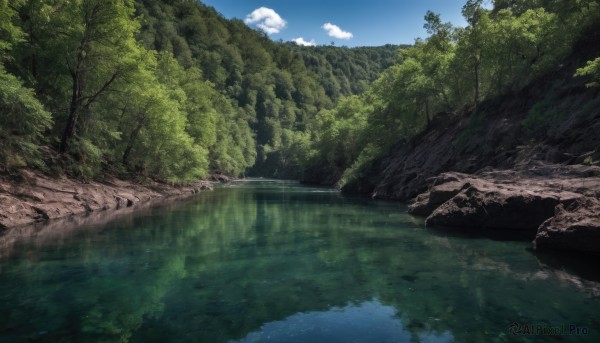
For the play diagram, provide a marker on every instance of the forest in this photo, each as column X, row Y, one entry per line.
column 173, row 91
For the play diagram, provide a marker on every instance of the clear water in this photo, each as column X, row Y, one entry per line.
column 278, row 262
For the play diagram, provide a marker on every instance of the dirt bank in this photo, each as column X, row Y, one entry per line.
column 32, row 197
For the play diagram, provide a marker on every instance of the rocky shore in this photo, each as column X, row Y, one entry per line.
column 32, row 197
column 560, row 204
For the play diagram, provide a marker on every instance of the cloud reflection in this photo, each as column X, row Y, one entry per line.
column 369, row 321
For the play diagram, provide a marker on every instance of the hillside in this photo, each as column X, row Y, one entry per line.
column 163, row 90
column 553, row 120
column 277, row 87
column 352, row 68
column 519, row 82
column 523, row 161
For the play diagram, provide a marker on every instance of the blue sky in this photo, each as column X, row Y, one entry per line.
column 370, row 22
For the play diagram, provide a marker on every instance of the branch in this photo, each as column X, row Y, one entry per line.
column 71, row 71
column 102, row 89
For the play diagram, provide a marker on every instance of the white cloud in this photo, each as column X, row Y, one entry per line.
column 266, row 19
column 336, row 32
column 300, row 41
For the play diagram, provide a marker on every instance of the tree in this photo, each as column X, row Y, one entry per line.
column 473, row 37
column 99, row 48
column 23, row 119
column 591, row 68
column 10, row 34
column 435, row 56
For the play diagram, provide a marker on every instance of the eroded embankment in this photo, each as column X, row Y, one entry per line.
column 32, row 197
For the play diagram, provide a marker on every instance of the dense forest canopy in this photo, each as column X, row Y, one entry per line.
column 165, row 89
column 174, row 91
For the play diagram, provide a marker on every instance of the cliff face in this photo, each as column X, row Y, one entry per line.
column 555, row 119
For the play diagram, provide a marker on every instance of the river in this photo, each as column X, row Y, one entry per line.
column 273, row 261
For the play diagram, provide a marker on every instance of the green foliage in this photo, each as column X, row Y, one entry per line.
column 472, row 129
column 592, row 68
column 234, row 151
column 540, row 117
column 346, row 71
column 10, row 34
column 366, row 156
column 343, row 133
column 116, row 105
column 589, row 161
column 546, row 118
column 23, row 121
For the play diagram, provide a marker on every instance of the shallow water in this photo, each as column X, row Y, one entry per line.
column 268, row 261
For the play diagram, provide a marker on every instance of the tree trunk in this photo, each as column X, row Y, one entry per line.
column 76, row 98
column 132, row 139
column 69, row 130
column 427, row 112
column 476, row 88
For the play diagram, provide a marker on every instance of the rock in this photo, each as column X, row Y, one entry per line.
column 421, row 206
column 125, row 200
column 426, row 203
column 575, row 226
column 121, row 202
column 483, row 204
column 33, row 197
column 15, row 212
column 221, row 178
column 560, row 202
column 494, row 199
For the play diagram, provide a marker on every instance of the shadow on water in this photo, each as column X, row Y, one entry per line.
column 576, row 264
column 275, row 261
column 481, row 233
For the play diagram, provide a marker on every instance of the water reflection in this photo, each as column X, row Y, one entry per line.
column 369, row 321
column 272, row 257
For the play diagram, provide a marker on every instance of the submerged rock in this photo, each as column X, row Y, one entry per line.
column 574, row 226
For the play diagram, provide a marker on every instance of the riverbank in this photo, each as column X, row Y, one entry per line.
column 526, row 160
column 560, row 204
column 31, row 197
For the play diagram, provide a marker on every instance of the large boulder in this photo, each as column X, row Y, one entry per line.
column 483, row 204
column 427, row 202
column 498, row 200
column 560, row 202
column 574, row 226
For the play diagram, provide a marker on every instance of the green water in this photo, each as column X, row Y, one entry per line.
column 278, row 262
